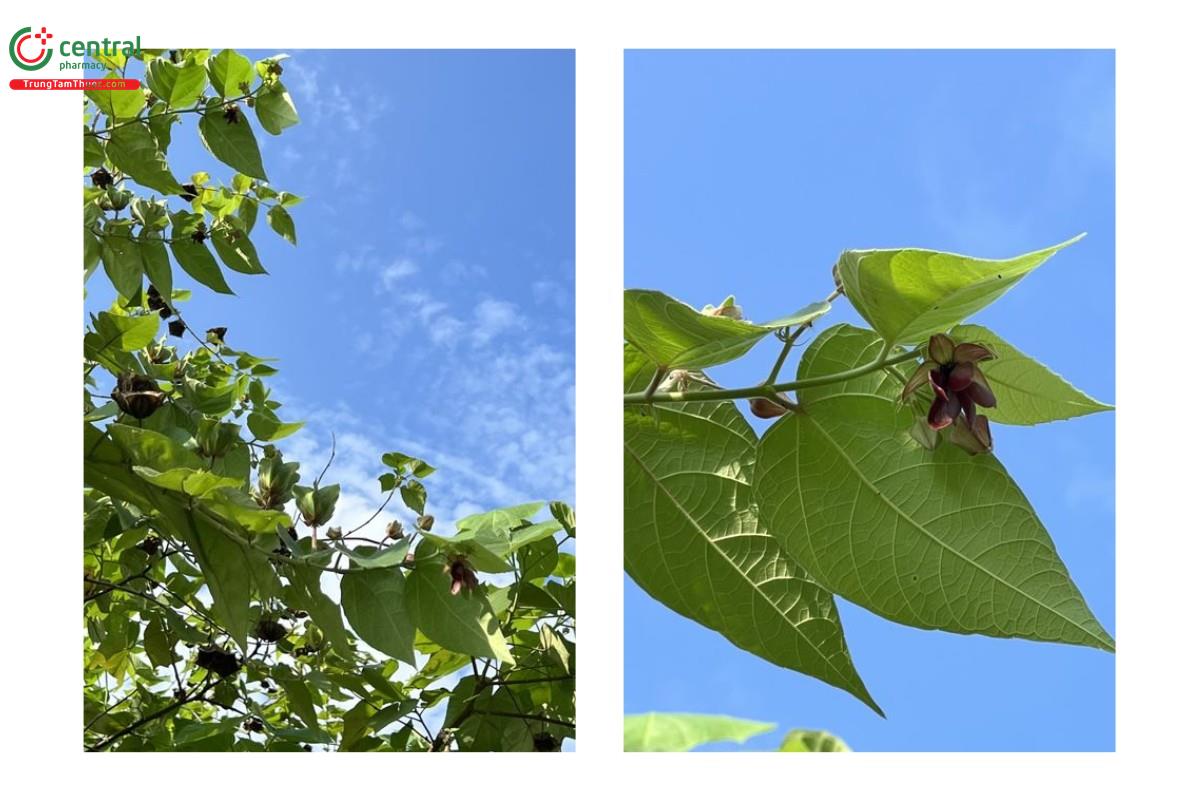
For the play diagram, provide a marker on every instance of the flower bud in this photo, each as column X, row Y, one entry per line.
column 425, row 522
column 214, row 438
column 763, row 408
column 333, row 534
column 395, row 530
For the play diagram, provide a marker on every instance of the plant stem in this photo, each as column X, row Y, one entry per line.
column 793, row 336
column 769, row 390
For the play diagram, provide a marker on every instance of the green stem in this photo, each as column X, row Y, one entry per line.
column 793, row 336
column 769, row 390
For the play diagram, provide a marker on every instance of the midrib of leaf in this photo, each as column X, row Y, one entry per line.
column 703, row 534
column 1092, row 404
column 878, row 493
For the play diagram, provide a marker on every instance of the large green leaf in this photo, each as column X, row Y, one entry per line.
column 179, row 85
column 236, row 250
column 275, row 109
column 227, row 573
column 122, row 261
column 155, row 263
column 305, row 591
column 930, row 538
column 373, row 600
column 676, row 733
column 122, row 334
column 694, row 542
column 117, row 104
column 463, row 622
column 133, row 150
column 231, row 142
column 674, row 335
column 908, row 295
column 231, row 73
column 1027, row 392
column 193, row 255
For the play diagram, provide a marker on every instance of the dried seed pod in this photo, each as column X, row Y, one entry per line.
column 138, row 395
column 214, row 659
column 269, row 630
column 101, row 179
column 545, row 742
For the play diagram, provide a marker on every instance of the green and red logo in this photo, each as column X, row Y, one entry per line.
column 30, row 50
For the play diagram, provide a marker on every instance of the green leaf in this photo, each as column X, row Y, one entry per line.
column 236, row 250
column 676, row 733
column 673, row 335
column 281, row 222
column 930, row 538
column 266, row 426
column 305, row 590
column 194, row 256
column 133, row 150
column 300, row 700
column 232, row 143
column 159, row 644
column 463, row 622
column 93, row 149
column 179, row 86
column 227, row 573
column 802, row 741
column 231, row 73
column 117, row 104
column 376, row 558
column 147, row 448
column 373, row 600
column 694, row 542
column 192, row 482
column 123, row 334
column 1027, row 392
column 275, row 109
column 908, row 295
column 156, row 265
column 122, row 263
column 413, row 494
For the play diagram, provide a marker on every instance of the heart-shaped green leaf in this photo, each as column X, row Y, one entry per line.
column 933, row 539
column 694, row 541
column 373, row 600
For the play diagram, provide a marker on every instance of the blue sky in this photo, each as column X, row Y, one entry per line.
column 429, row 305
column 747, row 173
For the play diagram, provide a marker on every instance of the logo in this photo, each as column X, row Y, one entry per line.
column 23, row 52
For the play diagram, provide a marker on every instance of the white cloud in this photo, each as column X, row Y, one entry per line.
column 493, row 317
column 393, row 273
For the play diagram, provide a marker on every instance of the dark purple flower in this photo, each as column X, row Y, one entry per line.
column 959, row 387
column 461, row 575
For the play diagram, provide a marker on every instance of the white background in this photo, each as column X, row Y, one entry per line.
column 1157, row 530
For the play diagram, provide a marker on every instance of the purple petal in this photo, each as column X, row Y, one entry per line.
column 972, row 352
column 941, row 348
column 918, row 379
column 980, row 392
column 961, row 376
column 968, row 408
column 943, row 412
